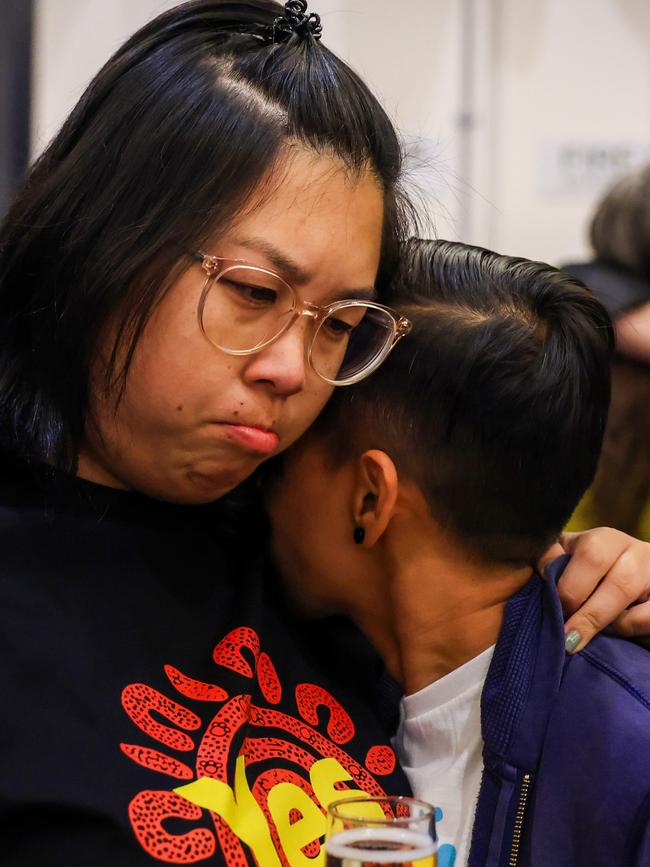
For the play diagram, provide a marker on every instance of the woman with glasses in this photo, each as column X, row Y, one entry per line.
column 190, row 268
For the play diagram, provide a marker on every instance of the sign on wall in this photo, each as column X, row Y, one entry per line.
column 587, row 168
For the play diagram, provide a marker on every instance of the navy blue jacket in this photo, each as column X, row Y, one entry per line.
column 567, row 745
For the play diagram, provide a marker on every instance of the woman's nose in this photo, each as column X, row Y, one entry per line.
column 283, row 364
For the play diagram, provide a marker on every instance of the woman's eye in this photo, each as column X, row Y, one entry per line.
column 337, row 327
column 258, row 295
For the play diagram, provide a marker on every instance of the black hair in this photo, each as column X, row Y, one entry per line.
column 167, row 142
column 496, row 402
column 620, row 227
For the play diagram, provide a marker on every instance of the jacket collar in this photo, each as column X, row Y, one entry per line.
column 525, row 672
column 522, row 682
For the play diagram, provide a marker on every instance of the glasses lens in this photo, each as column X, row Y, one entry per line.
column 351, row 341
column 243, row 308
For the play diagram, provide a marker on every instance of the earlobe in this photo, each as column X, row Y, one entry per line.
column 375, row 496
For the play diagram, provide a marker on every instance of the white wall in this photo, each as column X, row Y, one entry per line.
column 72, row 40
column 576, row 74
column 517, row 110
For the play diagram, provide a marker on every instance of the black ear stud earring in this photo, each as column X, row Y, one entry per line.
column 359, row 535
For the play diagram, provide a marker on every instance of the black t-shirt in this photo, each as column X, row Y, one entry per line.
column 158, row 702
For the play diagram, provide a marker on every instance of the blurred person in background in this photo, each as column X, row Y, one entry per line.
column 620, row 276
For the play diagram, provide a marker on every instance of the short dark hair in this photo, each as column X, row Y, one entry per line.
column 167, row 142
column 496, row 402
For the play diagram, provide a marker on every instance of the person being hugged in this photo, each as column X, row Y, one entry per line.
column 420, row 504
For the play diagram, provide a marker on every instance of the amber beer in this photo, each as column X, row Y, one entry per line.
column 388, row 847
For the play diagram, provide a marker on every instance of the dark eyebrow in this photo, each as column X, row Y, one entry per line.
column 289, row 269
column 368, row 293
column 294, row 273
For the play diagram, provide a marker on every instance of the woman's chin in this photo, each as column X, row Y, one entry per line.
column 204, row 486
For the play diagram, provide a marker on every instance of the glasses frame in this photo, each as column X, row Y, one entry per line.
column 216, row 266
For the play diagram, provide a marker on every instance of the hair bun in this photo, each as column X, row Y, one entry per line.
column 295, row 20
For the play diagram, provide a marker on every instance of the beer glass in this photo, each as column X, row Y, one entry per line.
column 364, row 832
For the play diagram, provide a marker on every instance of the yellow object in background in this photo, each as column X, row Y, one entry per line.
column 584, row 519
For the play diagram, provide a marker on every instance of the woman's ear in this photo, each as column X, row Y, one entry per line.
column 375, row 495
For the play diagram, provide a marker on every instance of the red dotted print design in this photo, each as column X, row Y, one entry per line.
column 380, row 760
column 402, row 811
column 195, row 689
column 277, row 720
column 263, row 749
column 263, row 785
column 291, row 740
column 214, row 749
column 138, row 700
column 228, row 652
column 147, row 812
column 212, row 761
column 232, row 849
column 268, row 679
column 157, row 761
column 310, row 697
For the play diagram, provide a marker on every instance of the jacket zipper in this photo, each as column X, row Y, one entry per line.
column 519, row 821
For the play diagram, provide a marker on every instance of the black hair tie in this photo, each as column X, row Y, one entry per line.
column 294, row 20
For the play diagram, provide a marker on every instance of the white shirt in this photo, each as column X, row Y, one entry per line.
column 439, row 746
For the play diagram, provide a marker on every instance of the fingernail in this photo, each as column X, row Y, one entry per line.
column 572, row 640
